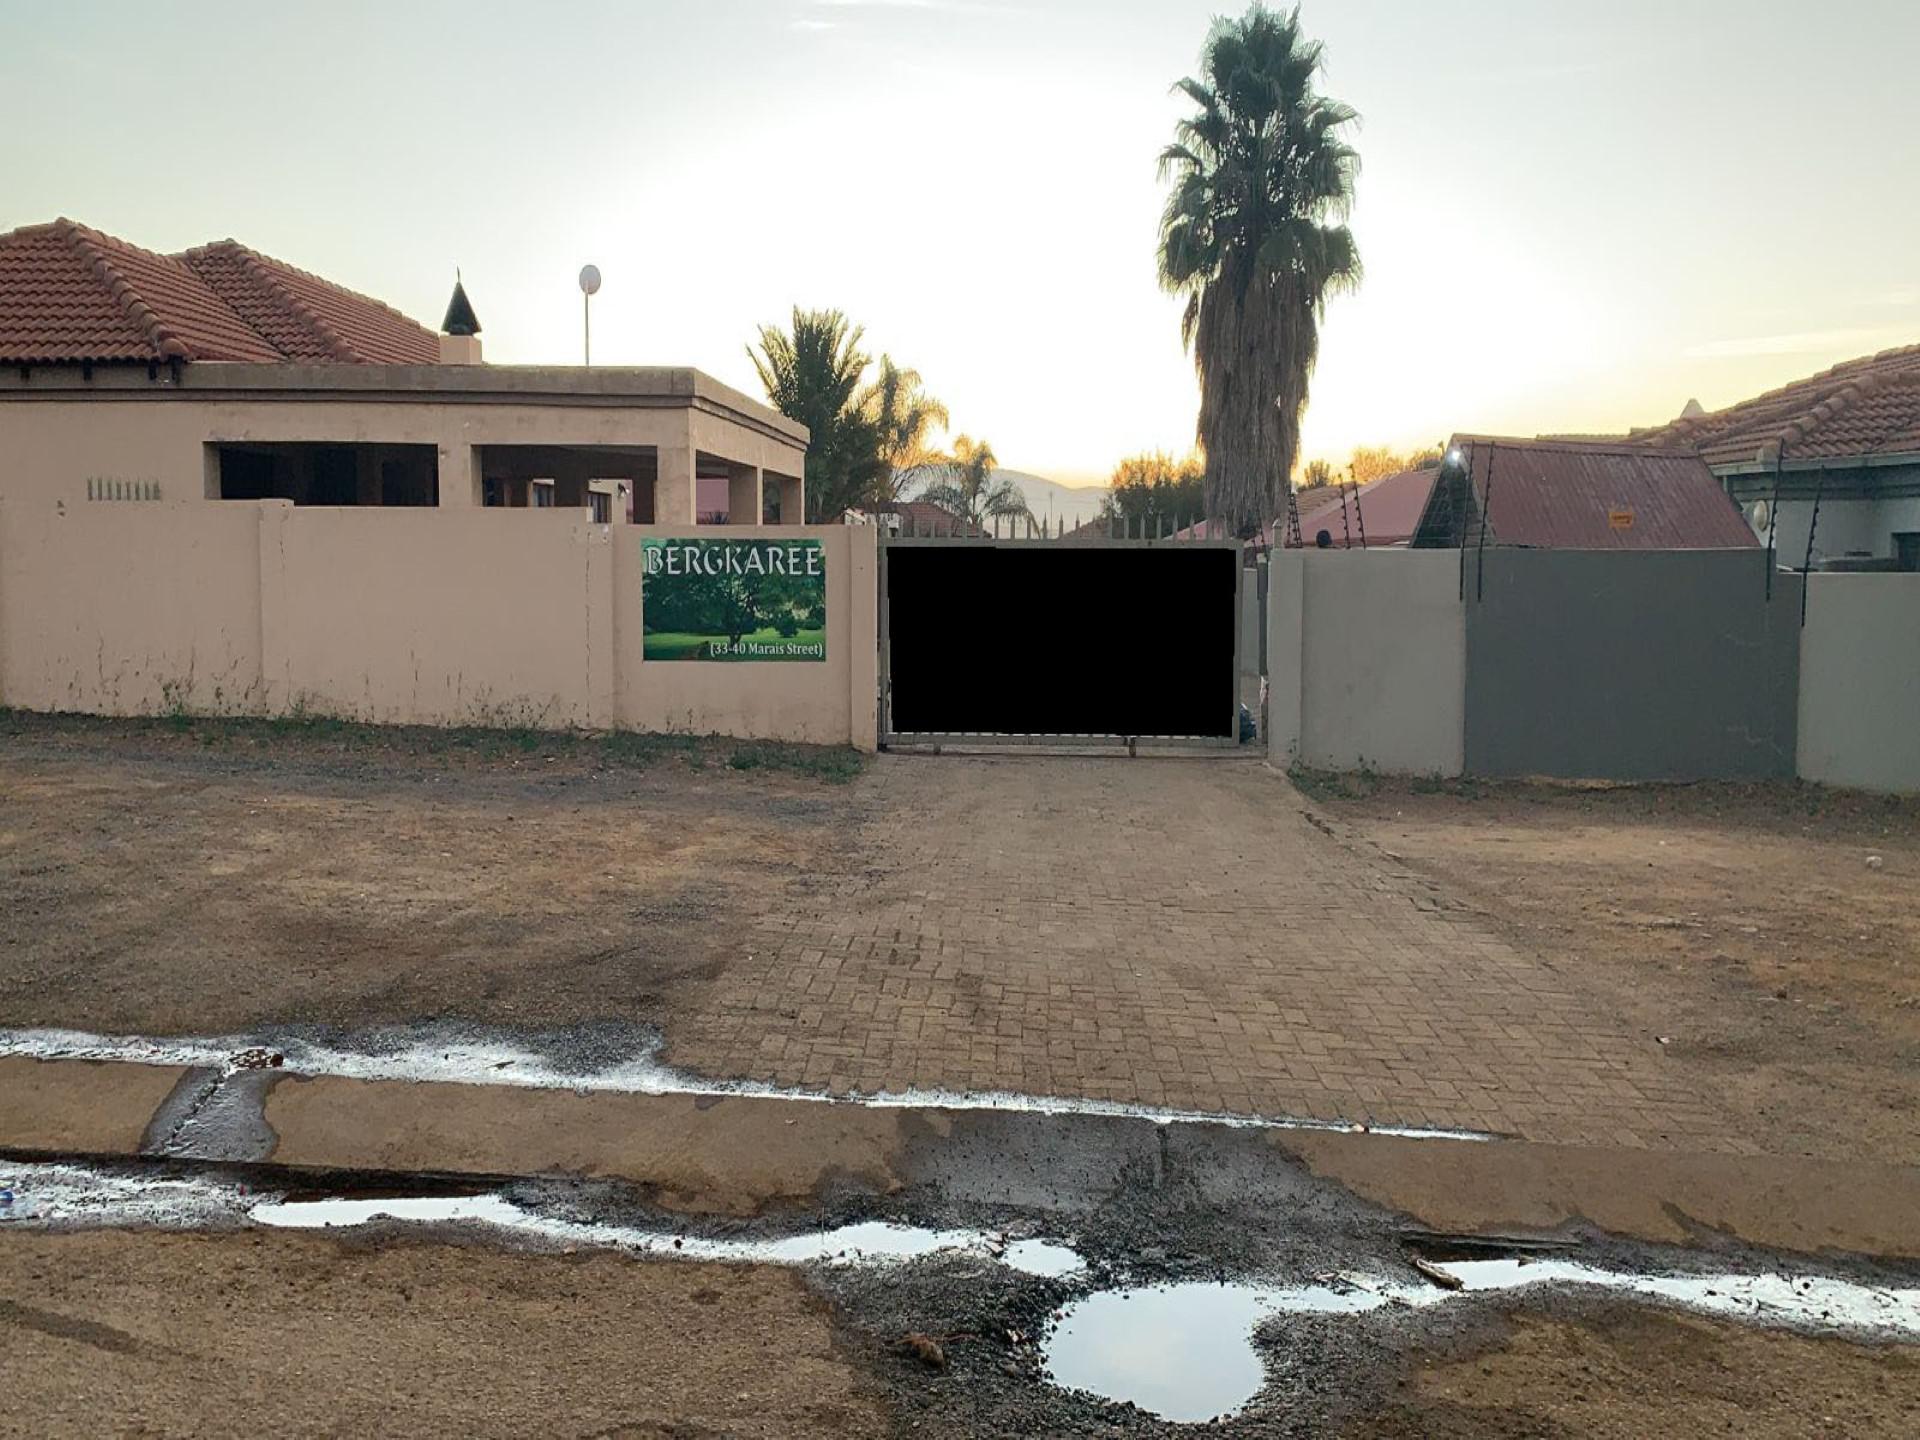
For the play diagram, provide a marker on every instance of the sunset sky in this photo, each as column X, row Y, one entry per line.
column 1572, row 218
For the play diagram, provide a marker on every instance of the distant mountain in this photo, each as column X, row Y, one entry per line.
column 1049, row 499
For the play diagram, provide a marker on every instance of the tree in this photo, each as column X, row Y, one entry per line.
column 812, row 374
column 963, row 485
column 1317, row 476
column 902, row 416
column 865, row 435
column 723, row 602
column 1374, row 462
column 1149, row 487
column 1251, row 236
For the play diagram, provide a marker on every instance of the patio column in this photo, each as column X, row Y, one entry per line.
column 675, row 495
column 793, row 509
column 744, row 496
column 460, row 487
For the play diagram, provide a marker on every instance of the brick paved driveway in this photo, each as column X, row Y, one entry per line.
column 1169, row 932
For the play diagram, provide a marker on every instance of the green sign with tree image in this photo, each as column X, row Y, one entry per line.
column 734, row 600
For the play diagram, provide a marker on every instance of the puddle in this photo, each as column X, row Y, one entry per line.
column 73, row 1196
column 1185, row 1352
column 1799, row 1302
column 867, row 1243
column 421, row 1210
column 468, row 1061
column 76, row 1196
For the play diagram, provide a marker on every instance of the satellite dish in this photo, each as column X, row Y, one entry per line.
column 1758, row 514
column 589, row 279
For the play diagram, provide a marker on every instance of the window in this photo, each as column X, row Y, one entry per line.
column 1906, row 550
column 601, row 504
column 310, row 473
column 543, row 494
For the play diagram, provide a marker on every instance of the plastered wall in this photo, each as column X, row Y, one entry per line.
column 1859, row 707
column 1366, row 661
column 490, row 617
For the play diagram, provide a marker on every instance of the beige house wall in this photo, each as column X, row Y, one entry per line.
column 56, row 442
column 478, row 616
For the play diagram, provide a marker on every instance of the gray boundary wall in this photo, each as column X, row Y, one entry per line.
column 1366, row 661
column 1638, row 665
column 1860, row 682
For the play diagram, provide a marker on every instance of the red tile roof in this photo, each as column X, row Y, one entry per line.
column 1869, row 406
column 1566, row 495
column 71, row 295
column 923, row 517
column 1387, row 511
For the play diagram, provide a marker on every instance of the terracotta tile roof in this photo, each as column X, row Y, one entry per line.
column 1564, row 495
column 1387, row 510
column 70, row 295
column 923, row 517
column 1869, row 406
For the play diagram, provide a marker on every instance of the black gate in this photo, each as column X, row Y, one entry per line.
column 1107, row 640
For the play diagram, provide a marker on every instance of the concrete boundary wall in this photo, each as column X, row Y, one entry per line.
column 1631, row 665
column 1586, row 665
column 1860, row 682
column 477, row 617
column 1366, row 660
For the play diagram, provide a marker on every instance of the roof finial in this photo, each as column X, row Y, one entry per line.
column 460, row 317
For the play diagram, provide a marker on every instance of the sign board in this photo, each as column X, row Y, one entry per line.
column 1620, row 519
column 733, row 600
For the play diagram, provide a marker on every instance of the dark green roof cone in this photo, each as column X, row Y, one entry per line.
column 460, row 317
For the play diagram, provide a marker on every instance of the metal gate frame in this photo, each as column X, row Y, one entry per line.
column 889, row 737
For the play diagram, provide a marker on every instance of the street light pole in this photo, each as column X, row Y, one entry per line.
column 589, row 284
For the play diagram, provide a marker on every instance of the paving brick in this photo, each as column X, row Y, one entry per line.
column 1169, row 933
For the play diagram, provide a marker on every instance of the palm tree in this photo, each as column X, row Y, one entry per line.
column 964, row 485
column 812, row 374
column 865, row 436
column 1251, row 235
column 902, row 416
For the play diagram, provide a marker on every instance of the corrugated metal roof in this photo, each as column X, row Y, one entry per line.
column 1566, row 495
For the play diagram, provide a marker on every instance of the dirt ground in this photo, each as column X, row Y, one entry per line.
column 295, row 1335
column 1706, row 967
column 285, row 1334
column 219, row 876
column 1746, row 929
column 1629, row 1373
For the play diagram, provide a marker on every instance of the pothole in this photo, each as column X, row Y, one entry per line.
column 1185, row 1352
column 1182, row 1352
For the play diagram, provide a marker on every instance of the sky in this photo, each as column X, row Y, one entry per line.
column 1573, row 218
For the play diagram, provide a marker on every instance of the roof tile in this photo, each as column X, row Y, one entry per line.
column 1869, row 406
column 71, row 295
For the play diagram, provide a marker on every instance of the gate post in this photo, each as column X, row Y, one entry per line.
column 1286, row 630
column 864, row 609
